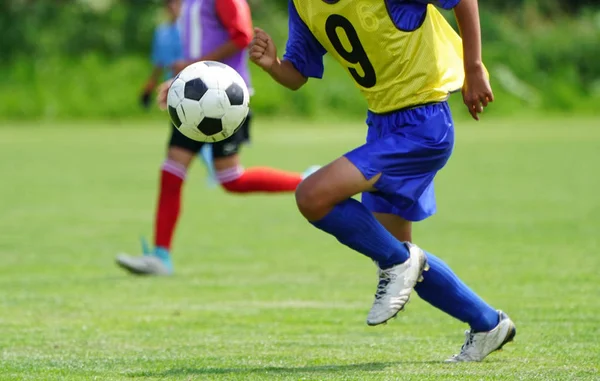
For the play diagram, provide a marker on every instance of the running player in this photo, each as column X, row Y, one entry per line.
column 406, row 59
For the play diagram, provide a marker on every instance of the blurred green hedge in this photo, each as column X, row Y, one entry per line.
column 88, row 59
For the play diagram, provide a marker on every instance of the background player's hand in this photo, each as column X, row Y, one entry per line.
column 146, row 96
column 477, row 92
column 262, row 50
column 163, row 91
column 145, row 99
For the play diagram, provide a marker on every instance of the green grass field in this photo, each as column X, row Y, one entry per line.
column 260, row 294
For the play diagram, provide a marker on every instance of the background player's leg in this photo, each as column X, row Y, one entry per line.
column 441, row 287
column 235, row 179
column 173, row 174
column 180, row 154
column 324, row 199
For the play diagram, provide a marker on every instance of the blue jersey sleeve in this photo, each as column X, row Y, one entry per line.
column 444, row 4
column 302, row 49
column 177, row 48
column 158, row 53
column 166, row 46
column 408, row 15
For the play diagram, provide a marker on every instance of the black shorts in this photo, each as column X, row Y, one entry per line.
column 224, row 148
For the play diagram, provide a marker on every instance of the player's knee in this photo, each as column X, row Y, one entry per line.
column 311, row 203
column 181, row 156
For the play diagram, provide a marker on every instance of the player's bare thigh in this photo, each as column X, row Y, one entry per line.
column 330, row 185
column 396, row 225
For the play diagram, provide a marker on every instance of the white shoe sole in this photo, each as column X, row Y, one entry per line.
column 132, row 266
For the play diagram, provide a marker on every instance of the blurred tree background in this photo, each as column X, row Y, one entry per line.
column 88, row 59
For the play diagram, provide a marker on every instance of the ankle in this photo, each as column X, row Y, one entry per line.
column 162, row 253
column 486, row 322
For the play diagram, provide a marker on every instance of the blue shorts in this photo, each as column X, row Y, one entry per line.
column 408, row 148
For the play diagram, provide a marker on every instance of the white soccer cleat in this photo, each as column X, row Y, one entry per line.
column 144, row 265
column 395, row 286
column 478, row 345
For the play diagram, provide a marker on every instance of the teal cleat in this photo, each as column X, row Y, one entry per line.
column 152, row 262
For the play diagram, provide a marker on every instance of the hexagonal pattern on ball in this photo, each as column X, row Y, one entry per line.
column 174, row 117
column 210, row 126
column 192, row 71
column 234, row 118
column 195, row 89
column 215, row 64
column 235, row 94
column 237, row 78
column 193, row 133
column 175, row 93
column 214, row 103
column 192, row 113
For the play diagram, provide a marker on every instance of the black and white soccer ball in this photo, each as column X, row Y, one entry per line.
column 208, row 101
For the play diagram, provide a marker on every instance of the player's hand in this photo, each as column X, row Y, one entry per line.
column 163, row 91
column 262, row 50
column 146, row 96
column 477, row 92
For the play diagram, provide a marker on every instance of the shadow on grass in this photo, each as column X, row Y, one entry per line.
column 189, row 371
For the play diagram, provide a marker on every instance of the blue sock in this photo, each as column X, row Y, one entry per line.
column 444, row 290
column 354, row 226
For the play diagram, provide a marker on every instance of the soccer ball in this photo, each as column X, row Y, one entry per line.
column 208, row 101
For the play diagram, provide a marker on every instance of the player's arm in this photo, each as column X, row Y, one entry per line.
column 235, row 17
column 153, row 79
column 158, row 61
column 178, row 62
column 476, row 90
column 303, row 57
column 264, row 53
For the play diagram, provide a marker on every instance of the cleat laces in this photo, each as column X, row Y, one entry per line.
column 385, row 277
column 466, row 347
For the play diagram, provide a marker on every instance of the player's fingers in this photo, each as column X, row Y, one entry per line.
column 468, row 99
column 258, row 50
column 484, row 101
column 256, row 55
column 490, row 96
column 261, row 43
column 478, row 107
column 473, row 111
column 261, row 34
column 473, row 102
column 257, row 45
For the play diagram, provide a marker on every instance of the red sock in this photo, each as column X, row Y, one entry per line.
column 169, row 202
column 259, row 179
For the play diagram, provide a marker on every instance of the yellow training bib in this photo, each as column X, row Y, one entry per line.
column 394, row 69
